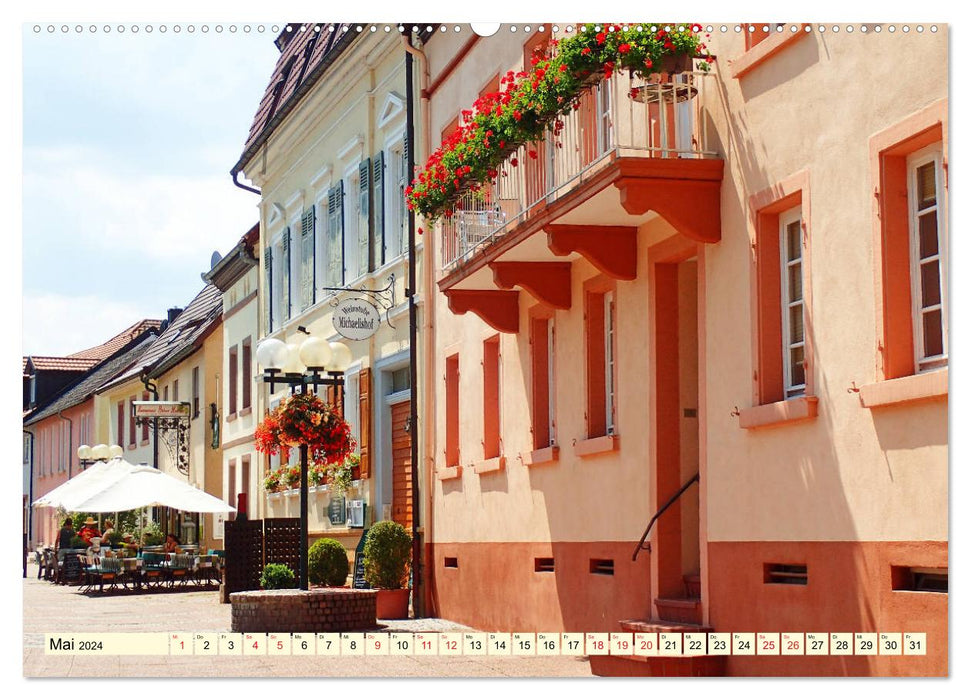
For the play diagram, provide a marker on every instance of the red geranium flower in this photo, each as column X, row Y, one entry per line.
column 601, row 37
column 623, row 48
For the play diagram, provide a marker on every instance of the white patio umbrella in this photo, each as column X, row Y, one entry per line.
column 121, row 486
column 92, row 480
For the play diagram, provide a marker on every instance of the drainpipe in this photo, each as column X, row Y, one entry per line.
column 29, row 532
column 70, row 440
column 416, row 544
column 240, row 185
column 428, row 315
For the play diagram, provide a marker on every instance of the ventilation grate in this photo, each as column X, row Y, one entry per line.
column 792, row 574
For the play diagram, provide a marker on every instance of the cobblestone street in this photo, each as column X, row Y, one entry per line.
column 49, row 608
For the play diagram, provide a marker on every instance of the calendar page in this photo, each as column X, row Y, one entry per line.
column 457, row 349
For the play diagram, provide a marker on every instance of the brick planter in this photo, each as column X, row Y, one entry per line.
column 318, row 610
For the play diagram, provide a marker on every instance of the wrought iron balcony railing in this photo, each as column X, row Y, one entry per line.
column 616, row 118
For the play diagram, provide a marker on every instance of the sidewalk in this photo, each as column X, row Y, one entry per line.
column 49, row 608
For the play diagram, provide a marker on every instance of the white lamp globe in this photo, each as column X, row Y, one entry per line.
column 315, row 352
column 293, row 364
column 84, row 452
column 272, row 354
column 99, row 451
column 340, row 357
column 115, row 451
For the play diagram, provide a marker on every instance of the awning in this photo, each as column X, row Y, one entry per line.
column 117, row 485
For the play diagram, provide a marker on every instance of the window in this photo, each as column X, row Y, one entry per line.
column 365, row 261
column 400, row 380
column 601, row 351
column 757, row 35
column 793, row 307
column 397, row 210
column 175, row 390
column 909, row 171
column 334, row 276
column 233, row 379
column 544, row 425
column 230, row 496
column 144, row 422
column 783, row 303
column 491, row 398
column 120, row 427
column 928, row 264
column 195, row 392
column 132, row 440
column 308, row 244
column 245, row 483
column 247, row 373
column 452, row 410
column 352, row 226
column 165, row 393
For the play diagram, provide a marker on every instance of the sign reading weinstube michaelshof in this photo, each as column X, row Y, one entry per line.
column 159, row 409
column 356, row 319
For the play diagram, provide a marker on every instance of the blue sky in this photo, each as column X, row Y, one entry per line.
column 128, row 140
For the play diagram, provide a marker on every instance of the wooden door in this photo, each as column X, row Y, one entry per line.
column 401, row 499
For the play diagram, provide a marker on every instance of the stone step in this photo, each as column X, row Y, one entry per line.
column 679, row 609
column 659, row 666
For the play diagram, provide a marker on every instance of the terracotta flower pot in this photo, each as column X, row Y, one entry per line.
column 677, row 63
column 393, row 604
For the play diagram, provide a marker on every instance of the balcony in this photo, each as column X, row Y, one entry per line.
column 640, row 139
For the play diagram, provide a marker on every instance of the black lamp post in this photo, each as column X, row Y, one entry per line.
column 313, row 363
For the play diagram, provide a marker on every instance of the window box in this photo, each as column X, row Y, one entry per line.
column 917, row 387
column 447, row 473
column 779, row 413
column 490, row 465
column 597, row 445
column 544, row 455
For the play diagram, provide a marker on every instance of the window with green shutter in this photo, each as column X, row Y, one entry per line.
column 285, row 286
column 377, row 179
column 307, row 244
column 335, row 236
column 268, row 265
column 364, row 261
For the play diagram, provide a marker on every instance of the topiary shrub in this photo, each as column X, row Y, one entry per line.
column 327, row 563
column 277, row 576
column 387, row 553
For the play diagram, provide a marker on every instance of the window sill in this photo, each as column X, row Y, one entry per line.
column 917, row 387
column 447, row 473
column 766, row 48
column 144, row 443
column 246, row 411
column 779, row 413
column 132, row 446
column 492, row 464
column 597, row 445
column 544, row 455
column 231, row 417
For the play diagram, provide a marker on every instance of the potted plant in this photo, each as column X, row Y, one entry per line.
column 387, row 556
column 327, row 563
column 271, row 484
column 277, row 576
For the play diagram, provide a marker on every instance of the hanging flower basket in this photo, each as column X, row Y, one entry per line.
column 304, row 419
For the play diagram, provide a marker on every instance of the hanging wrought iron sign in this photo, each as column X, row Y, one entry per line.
column 172, row 420
column 358, row 317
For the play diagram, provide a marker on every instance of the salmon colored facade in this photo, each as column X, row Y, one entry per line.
column 739, row 287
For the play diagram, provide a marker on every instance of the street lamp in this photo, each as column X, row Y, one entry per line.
column 313, row 363
column 99, row 453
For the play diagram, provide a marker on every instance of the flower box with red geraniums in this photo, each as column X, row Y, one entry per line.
column 530, row 103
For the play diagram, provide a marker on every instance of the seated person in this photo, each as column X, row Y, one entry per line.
column 65, row 536
column 109, row 529
column 89, row 530
column 172, row 544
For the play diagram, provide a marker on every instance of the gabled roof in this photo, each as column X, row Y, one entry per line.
column 110, row 347
column 60, row 364
column 182, row 337
column 84, row 389
column 303, row 59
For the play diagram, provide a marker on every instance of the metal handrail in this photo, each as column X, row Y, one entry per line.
column 660, row 512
